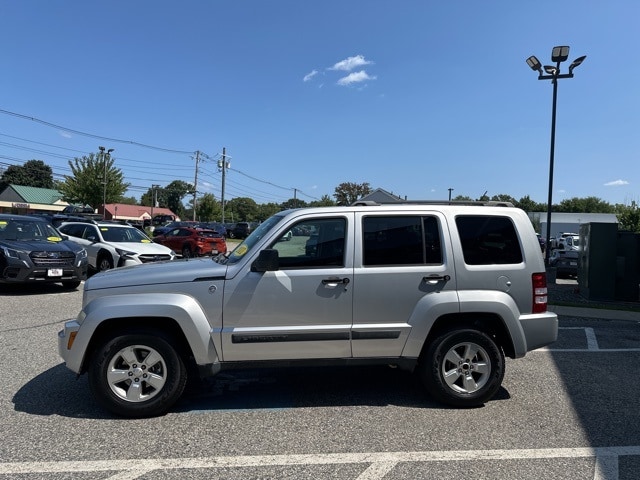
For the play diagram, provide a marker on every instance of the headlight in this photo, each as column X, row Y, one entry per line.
column 125, row 253
column 9, row 252
column 82, row 254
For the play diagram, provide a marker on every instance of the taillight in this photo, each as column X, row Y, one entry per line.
column 539, row 284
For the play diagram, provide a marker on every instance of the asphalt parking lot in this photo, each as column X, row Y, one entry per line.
column 569, row 411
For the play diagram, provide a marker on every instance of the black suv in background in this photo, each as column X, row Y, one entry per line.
column 32, row 251
column 241, row 230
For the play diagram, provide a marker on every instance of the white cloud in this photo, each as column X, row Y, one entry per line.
column 355, row 77
column 616, row 183
column 310, row 75
column 351, row 63
column 65, row 134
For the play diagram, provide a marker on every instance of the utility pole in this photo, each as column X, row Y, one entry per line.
column 450, row 190
column 154, row 199
column 295, row 198
column 223, row 165
column 105, row 157
column 195, row 186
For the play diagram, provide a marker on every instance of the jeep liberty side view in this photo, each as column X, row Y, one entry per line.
column 440, row 288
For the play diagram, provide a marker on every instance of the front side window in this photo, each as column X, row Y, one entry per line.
column 401, row 240
column 488, row 240
column 314, row 243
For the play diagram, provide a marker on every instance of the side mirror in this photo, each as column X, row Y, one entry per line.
column 268, row 261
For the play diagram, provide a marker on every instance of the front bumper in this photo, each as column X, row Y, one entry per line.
column 68, row 333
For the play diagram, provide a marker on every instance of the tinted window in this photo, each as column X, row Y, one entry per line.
column 488, row 240
column 317, row 243
column 401, row 240
column 73, row 230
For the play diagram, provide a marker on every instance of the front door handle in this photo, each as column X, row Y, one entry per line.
column 335, row 281
column 433, row 279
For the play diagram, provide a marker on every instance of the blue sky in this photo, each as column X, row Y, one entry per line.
column 414, row 97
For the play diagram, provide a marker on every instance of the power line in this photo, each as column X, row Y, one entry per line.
column 91, row 135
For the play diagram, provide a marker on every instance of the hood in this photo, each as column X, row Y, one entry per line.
column 176, row 271
column 41, row 246
column 141, row 248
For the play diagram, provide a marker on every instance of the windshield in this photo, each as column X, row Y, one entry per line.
column 123, row 234
column 253, row 238
column 27, row 230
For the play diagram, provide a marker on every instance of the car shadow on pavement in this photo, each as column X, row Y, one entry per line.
column 57, row 391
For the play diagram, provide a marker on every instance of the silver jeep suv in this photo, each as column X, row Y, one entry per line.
column 446, row 290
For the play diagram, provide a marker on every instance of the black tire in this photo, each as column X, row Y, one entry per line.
column 123, row 382
column 186, row 251
column 105, row 262
column 462, row 368
column 72, row 284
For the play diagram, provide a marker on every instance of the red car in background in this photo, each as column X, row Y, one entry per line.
column 193, row 242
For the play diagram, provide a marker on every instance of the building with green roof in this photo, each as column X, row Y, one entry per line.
column 20, row 199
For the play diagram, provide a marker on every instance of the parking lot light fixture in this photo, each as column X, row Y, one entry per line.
column 535, row 64
column 558, row 55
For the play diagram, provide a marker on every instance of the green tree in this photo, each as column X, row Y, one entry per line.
column 34, row 173
column 528, row 205
column 584, row 205
column 462, row 198
column 128, row 200
column 208, row 208
column 173, row 195
column 266, row 210
column 628, row 217
column 503, row 197
column 85, row 185
column 347, row 192
column 242, row 209
column 325, row 201
column 293, row 203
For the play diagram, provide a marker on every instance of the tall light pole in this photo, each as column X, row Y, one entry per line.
column 558, row 55
column 105, row 159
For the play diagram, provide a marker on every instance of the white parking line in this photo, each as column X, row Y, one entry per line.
column 380, row 463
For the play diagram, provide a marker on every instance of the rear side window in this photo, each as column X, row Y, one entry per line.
column 401, row 240
column 488, row 240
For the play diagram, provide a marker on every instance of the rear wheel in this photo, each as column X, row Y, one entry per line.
column 462, row 368
column 186, row 251
column 137, row 375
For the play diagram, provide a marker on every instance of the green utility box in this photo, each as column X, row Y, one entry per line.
column 597, row 265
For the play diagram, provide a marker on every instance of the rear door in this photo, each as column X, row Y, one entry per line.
column 403, row 275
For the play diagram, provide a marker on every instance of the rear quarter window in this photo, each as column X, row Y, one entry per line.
column 488, row 240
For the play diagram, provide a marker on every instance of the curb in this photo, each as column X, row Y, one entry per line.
column 594, row 313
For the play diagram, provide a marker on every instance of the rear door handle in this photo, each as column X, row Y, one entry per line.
column 433, row 279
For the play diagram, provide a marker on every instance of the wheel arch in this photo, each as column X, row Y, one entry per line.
column 176, row 317
column 489, row 323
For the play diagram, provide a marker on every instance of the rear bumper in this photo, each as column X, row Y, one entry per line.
column 539, row 329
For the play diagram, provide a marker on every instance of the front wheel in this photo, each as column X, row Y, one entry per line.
column 462, row 368
column 137, row 375
column 105, row 262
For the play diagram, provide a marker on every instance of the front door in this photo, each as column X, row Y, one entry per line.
column 301, row 311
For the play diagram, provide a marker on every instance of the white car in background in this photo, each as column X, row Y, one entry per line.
column 111, row 245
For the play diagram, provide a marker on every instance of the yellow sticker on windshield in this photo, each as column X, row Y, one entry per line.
column 241, row 250
column 104, row 229
column 144, row 240
column 54, row 239
column 3, row 222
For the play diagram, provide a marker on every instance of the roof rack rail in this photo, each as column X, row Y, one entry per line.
column 489, row 203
